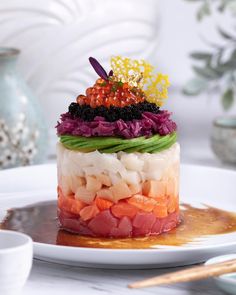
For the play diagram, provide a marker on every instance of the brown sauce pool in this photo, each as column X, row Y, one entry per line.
column 40, row 222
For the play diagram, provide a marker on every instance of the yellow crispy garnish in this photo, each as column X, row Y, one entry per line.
column 139, row 73
column 157, row 89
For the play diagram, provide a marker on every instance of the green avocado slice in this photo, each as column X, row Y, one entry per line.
column 153, row 144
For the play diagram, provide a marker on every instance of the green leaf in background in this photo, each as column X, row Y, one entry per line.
column 194, row 86
column 201, row 55
column 203, row 11
column 207, row 72
column 231, row 6
column 223, row 5
column 228, row 99
column 225, row 35
column 224, row 68
column 233, row 55
column 216, row 70
column 227, row 4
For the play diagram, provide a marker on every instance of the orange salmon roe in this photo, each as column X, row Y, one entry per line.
column 111, row 93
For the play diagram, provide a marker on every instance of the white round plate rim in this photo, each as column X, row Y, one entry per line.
column 41, row 249
column 169, row 249
column 184, row 248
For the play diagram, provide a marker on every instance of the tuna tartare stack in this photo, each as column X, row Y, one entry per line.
column 118, row 159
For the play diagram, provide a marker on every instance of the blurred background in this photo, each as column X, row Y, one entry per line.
column 194, row 42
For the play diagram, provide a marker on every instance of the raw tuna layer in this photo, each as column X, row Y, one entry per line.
column 105, row 224
column 135, row 216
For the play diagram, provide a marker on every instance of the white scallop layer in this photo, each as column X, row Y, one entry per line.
column 133, row 168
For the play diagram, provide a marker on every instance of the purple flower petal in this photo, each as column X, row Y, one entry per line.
column 98, row 68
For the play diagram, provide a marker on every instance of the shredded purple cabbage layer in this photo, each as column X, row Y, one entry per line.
column 149, row 124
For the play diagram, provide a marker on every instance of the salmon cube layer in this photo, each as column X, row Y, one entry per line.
column 130, row 217
column 118, row 195
column 106, row 225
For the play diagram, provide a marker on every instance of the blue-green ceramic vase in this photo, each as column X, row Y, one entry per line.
column 23, row 132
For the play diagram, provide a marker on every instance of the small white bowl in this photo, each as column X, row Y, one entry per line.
column 226, row 282
column 16, row 256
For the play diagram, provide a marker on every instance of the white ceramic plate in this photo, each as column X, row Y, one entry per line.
column 215, row 187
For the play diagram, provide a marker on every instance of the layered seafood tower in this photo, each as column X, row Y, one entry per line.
column 118, row 159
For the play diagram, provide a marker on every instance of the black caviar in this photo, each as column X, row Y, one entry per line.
column 113, row 113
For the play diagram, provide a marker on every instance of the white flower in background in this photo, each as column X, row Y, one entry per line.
column 15, row 140
column 19, row 131
column 3, row 139
column 3, row 125
column 20, row 141
column 7, row 158
column 29, row 151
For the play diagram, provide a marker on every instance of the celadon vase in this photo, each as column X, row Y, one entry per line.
column 23, row 132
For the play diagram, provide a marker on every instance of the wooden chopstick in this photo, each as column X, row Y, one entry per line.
column 191, row 274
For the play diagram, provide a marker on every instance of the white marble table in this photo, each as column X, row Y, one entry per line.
column 54, row 279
